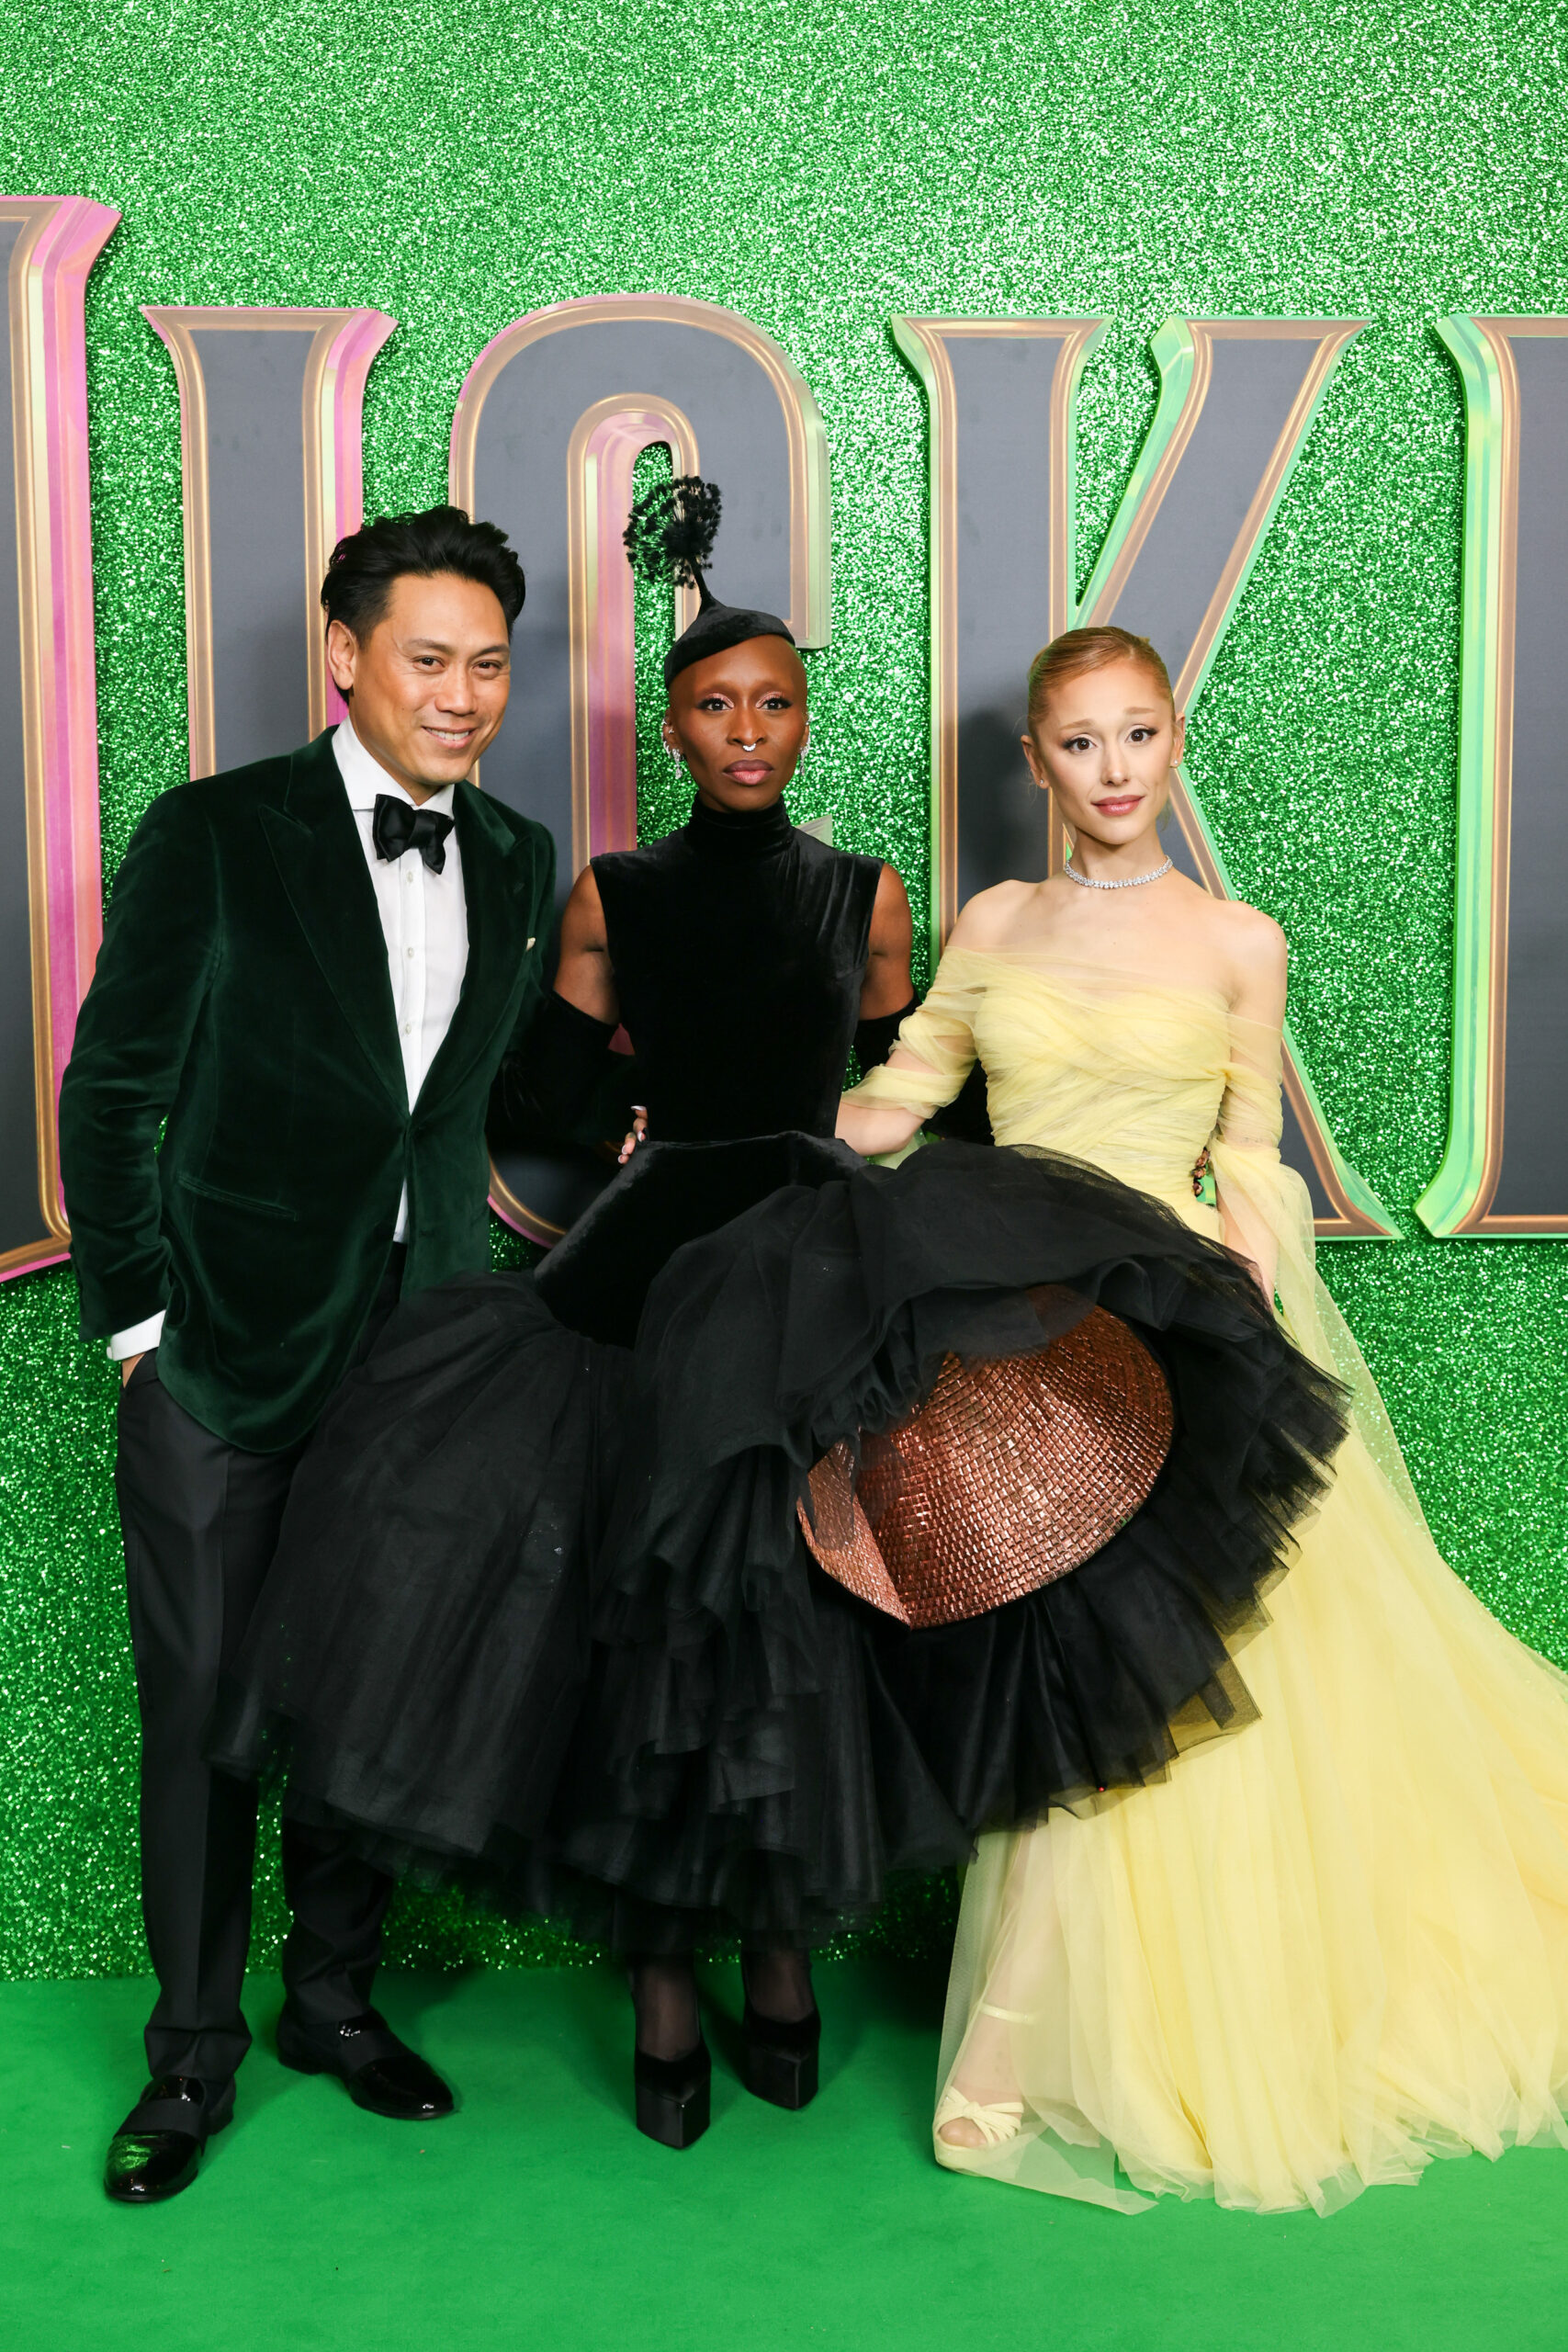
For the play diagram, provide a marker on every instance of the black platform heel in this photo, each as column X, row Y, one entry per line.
column 779, row 2058
column 672, row 2095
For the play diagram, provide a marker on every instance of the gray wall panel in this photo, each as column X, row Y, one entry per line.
column 1251, row 390
column 255, row 458
column 1534, row 1176
column 1003, row 402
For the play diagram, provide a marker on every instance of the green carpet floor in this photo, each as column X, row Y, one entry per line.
column 537, row 2218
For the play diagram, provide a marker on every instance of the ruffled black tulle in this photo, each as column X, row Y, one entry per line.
column 759, row 1749
column 749, row 1747
column 597, row 1278
column 418, row 1654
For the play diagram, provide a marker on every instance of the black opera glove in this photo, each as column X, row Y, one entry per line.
column 877, row 1033
column 547, row 1086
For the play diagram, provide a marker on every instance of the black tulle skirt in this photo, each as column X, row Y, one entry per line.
column 542, row 1618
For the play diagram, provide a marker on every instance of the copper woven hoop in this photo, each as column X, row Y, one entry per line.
column 1010, row 1474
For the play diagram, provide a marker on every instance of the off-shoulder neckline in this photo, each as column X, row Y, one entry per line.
column 1040, row 962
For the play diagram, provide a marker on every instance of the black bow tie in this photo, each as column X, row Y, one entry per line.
column 396, row 827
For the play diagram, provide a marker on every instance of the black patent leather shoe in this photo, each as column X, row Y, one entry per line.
column 779, row 2057
column 674, row 2096
column 157, row 2150
column 380, row 2072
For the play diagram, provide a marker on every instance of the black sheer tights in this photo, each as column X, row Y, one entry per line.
column 664, row 1993
column 778, row 1982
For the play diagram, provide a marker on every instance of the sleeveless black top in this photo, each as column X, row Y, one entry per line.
column 739, row 946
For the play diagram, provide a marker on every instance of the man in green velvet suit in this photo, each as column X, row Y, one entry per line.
column 311, row 971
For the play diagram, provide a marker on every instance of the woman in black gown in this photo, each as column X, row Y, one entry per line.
column 419, row 1652
column 550, row 1612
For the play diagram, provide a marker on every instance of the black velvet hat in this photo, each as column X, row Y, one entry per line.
column 669, row 536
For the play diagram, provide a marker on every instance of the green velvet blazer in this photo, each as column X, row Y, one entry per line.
column 241, row 1005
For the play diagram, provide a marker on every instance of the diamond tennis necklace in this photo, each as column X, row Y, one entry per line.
column 1133, row 881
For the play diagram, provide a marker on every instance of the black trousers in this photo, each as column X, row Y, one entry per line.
column 201, row 1521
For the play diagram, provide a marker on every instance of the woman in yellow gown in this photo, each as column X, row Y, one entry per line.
column 1334, row 1943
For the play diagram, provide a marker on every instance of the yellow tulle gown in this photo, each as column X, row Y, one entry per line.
column 1334, row 1944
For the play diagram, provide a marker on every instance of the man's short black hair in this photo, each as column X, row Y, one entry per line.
column 364, row 566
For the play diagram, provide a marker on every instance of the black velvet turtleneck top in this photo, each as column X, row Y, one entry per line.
column 739, row 946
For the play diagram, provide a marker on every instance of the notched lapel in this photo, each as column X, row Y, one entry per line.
column 322, row 864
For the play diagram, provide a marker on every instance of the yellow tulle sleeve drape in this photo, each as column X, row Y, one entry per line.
column 1267, row 1213
column 936, row 1049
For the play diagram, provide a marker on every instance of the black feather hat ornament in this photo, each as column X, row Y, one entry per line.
column 669, row 536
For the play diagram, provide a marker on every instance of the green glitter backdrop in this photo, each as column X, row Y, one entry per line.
column 818, row 166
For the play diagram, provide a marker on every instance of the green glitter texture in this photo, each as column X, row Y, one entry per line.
column 818, row 166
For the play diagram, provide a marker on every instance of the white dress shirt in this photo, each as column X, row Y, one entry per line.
column 424, row 920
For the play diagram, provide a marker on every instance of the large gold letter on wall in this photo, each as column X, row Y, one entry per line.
column 1506, row 1167
column 1237, row 399
column 549, row 428
column 50, row 909
column 270, row 405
